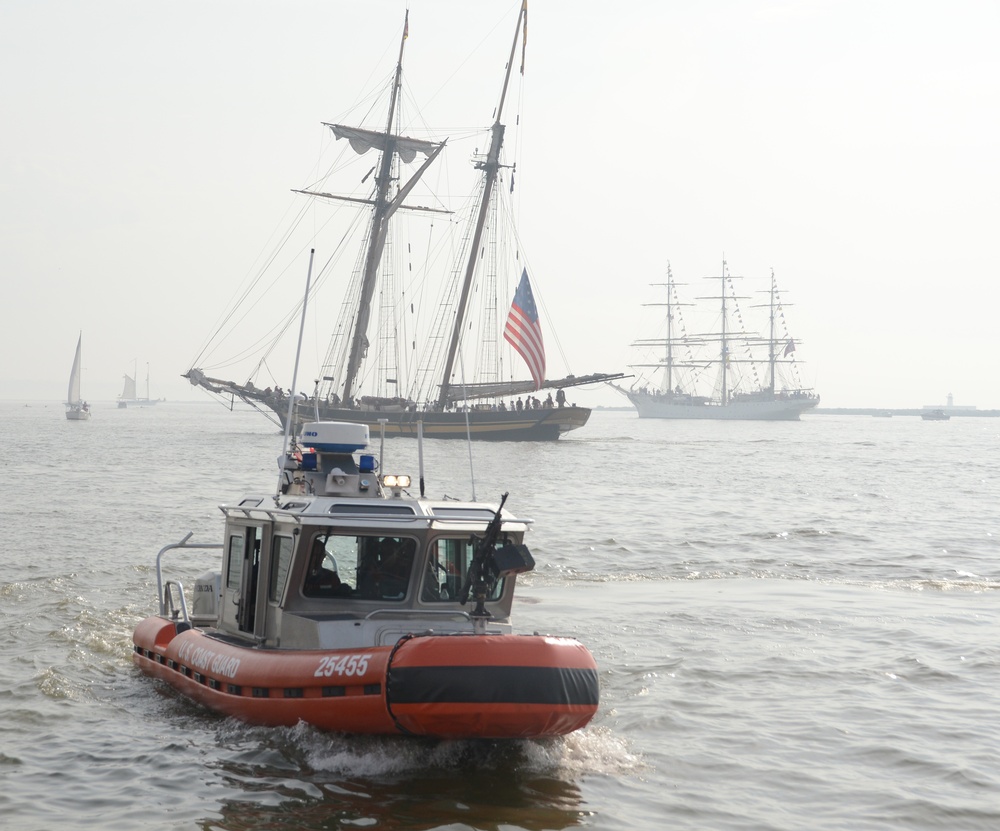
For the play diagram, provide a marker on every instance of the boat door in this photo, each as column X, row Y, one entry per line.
column 244, row 562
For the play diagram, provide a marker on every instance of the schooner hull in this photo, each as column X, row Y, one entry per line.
column 777, row 409
column 544, row 424
column 481, row 423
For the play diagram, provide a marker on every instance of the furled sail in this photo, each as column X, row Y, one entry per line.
column 364, row 140
column 472, row 392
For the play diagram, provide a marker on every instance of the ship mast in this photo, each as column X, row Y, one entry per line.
column 377, row 233
column 725, row 342
column 383, row 207
column 491, row 169
column 670, row 341
column 772, row 357
column 670, row 331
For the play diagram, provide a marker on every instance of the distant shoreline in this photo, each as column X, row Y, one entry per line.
column 954, row 412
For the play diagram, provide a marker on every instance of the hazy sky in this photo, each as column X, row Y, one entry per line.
column 149, row 149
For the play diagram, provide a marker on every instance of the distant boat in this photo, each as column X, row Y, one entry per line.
column 372, row 374
column 129, row 396
column 730, row 359
column 935, row 415
column 76, row 408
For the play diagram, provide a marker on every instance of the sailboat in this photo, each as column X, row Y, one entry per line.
column 729, row 359
column 76, row 408
column 130, row 395
column 368, row 377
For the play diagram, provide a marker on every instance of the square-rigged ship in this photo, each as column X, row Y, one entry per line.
column 728, row 358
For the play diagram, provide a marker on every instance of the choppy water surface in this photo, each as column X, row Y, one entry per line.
column 796, row 627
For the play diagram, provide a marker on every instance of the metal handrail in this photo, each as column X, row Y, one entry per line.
column 418, row 613
column 167, row 605
column 425, row 520
column 162, row 599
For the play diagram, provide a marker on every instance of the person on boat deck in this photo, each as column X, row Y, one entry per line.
column 320, row 580
column 561, row 397
column 386, row 576
column 396, row 567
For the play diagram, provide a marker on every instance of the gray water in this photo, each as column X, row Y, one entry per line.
column 795, row 626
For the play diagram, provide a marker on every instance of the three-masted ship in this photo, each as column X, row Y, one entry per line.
column 741, row 368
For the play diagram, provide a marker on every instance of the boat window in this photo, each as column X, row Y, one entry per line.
column 234, row 571
column 359, row 567
column 380, row 508
column 281, row 559
column 447, row 567
column 463, row 513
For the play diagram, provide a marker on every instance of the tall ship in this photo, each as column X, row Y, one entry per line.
column 730, row 372
column 130, row 393
column 465, row 355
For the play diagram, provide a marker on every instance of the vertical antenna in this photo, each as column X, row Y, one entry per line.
column 468, row 428
column 381, row 442
column 420, row 454
column 295, row 377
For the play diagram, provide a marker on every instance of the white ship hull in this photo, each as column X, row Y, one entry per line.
column 756, row 409
column 753, row 377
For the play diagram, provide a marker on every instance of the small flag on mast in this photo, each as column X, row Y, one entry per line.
column 789, row 348
column 524, row 332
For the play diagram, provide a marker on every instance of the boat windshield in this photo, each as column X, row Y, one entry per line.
column 360, row 567
column 447, row 567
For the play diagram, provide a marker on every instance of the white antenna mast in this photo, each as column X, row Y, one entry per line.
column 295, row 378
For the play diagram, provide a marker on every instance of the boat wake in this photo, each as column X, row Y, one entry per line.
column 594, row 751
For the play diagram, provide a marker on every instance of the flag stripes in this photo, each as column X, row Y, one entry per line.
column 524, row 332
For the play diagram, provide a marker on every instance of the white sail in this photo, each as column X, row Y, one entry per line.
column 76, row 408
column 73, row 395
column 128, row 392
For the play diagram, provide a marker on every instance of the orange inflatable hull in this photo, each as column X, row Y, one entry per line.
column 446, row 686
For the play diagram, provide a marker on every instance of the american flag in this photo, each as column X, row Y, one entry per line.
column 523, row 331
